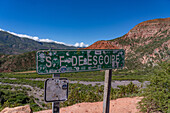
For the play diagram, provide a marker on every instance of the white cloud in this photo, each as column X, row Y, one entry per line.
column 1, row 29
column 45, row 40
column 80, row 44
column 22, row 35
column 48, row 40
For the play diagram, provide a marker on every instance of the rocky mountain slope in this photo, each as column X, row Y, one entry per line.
column 12, row 44
column 145, row 45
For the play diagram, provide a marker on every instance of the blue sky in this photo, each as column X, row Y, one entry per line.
column 75, row 21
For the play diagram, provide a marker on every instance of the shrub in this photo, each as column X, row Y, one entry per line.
column 157, row 93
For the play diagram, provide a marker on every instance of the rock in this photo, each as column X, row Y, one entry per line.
column 20, row 109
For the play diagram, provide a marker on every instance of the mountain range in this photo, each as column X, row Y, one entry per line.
column 145, row 45
column 13, row 44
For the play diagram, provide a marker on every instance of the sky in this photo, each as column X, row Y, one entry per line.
column 78, row 22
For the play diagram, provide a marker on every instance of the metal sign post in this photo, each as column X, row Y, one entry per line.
column 56, row 90
column 65, row 61
column 107, row 89
column 56, row 105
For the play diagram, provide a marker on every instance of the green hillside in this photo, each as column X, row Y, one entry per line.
column 21, row 62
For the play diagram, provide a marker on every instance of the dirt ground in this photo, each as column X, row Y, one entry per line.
column 121, row 105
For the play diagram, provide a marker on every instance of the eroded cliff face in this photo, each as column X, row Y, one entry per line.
column 146, row 44
column 150, row 28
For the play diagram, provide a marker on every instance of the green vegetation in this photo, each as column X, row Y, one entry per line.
column 157, row 93
column 23, row 75
column 140, row 75
column 87, row 93
column 9, row 87
column 39, row 84
column 15, row 98
column 77, row 92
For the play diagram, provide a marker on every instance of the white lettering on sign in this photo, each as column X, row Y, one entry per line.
column 106, row 61
column 61, row 60
column 113, row 58
column 117, row 60
column 80, row 60
column 58, row 61
column 95, row 60
column 89, row 60
column 49, row 62
column 100, row 59
column 113, row 61
column 74, row 57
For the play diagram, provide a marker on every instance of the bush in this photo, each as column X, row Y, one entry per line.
column 157, row 93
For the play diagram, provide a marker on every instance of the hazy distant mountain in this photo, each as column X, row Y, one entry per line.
column 12, row 44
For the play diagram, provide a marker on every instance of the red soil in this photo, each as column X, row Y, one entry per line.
column 121, row 105
column 102, row 45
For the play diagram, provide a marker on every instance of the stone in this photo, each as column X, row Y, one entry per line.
column 20, row 109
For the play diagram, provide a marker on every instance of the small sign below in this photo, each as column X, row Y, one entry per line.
column 56, row 89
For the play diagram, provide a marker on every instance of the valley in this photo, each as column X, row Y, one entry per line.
column 83, row 87
column 146, row 72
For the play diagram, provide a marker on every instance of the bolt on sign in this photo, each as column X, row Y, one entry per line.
column 61, row 61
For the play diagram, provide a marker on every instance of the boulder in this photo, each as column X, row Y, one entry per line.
column 20, row 109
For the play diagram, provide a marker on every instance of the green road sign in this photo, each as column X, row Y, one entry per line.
column 61, row 61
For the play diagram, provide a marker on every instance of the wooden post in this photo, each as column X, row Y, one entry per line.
column 107, row 89
column 56, row 105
